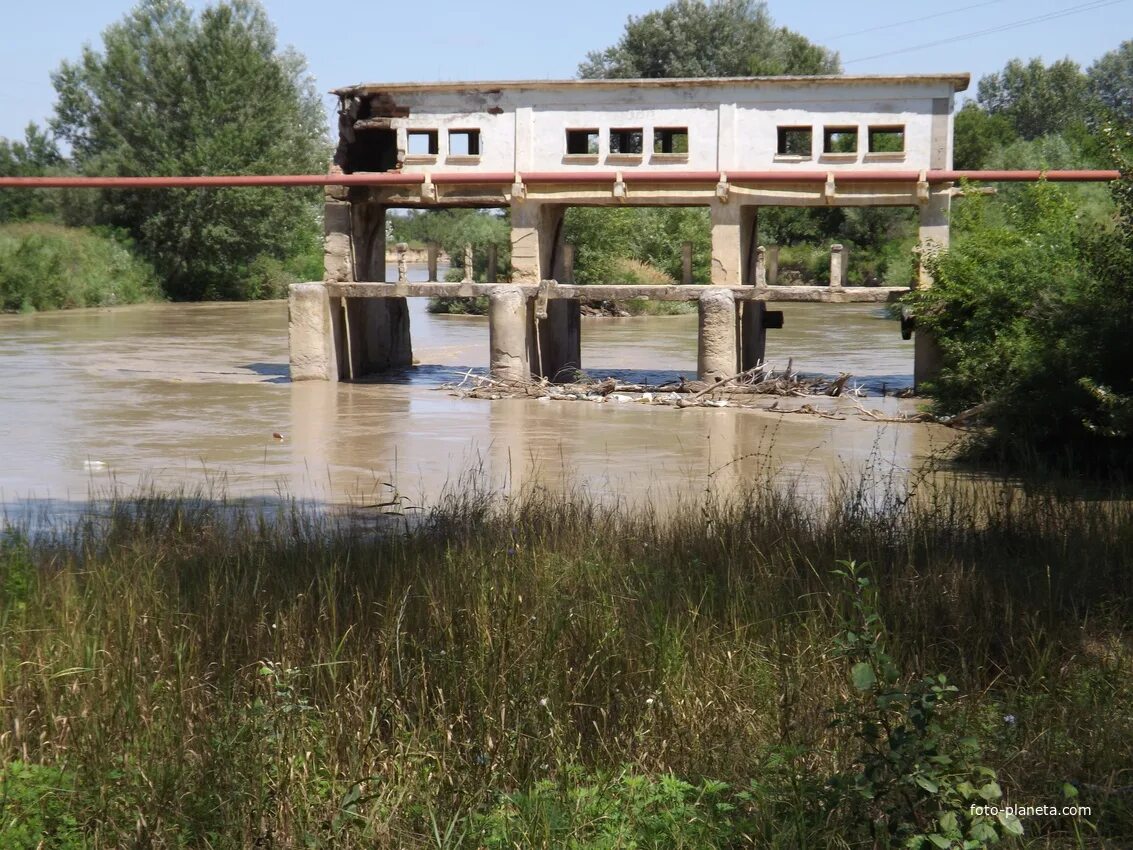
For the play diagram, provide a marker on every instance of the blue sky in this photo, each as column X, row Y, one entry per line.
column 346, row 41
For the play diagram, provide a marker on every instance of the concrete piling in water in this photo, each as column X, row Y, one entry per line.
column 493, row 263
column 716, row 341
column 686, row 263
column 772, row 259
column 760, row 266
column 468, row 268
column 309, row 333
column 507, row 334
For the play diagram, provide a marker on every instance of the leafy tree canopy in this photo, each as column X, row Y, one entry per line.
column 1037, row 99
column 34, row 156
column 692, row 38
column 1111, row 81
column 174, row 93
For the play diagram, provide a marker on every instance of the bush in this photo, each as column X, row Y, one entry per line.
column 1031, row 312
column 48, row 267
column 35, row 808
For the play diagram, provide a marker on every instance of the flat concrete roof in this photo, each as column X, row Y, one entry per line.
column 958, row 81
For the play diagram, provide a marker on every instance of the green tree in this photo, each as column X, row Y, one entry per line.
column 691, row 38
column 1037, row 99
column 35, row 156
column 977, row 135
column 173, row 93
column 1110, row 81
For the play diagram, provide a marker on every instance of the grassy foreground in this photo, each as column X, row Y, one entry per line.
column 546, row 672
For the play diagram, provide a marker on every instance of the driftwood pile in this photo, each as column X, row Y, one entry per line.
column 747, row 389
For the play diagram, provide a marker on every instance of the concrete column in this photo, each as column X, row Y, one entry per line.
column 686, row 263
column 934, row 237
column 716, row 342
column 431, row 260
column 537, row 254
column 760, row 267
column 753, row 335
column 402, row 263
column 507, row 333
column 493, row 272
column 338, row 249
column 469, row 269
column 727, row 243
column 370, row 334
column 838, row 259
column 772, row 260
column 310, row 334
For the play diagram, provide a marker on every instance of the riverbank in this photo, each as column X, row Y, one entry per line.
column 50, row 267
column 550, row 671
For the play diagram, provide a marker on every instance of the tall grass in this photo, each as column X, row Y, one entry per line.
column 49, row 267
column 544, row 670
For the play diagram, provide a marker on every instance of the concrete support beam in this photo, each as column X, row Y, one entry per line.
column 716, row 341
column 338, row 247
column 772, row 261
column 508, row 332
column 310, row 333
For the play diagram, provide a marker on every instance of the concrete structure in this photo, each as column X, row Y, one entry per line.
column 538, row 148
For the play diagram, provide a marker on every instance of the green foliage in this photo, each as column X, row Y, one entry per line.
column 604, row 238
column 601, row 812
column 913, row 782
column 173, row 93
column 16, row 572
column 1035, row 98
column 48, row 267
column 35, row 156
column 35, row 808
column 453, row 229
column 692, row 38
column 977, row 135
column 1110, row 81
column 1030, row 310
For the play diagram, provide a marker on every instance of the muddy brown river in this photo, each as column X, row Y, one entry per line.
column 189, row 396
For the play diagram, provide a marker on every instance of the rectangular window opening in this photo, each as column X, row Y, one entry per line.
column 627, row 140
column 581, row 142
column 887, row 139
column 840, row 140
column 795, row 141
column 423, row 143
column 464, row 142
column 670, row 140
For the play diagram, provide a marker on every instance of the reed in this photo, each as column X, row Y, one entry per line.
column 544, row 670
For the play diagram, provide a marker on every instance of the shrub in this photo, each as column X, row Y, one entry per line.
column 47, row 267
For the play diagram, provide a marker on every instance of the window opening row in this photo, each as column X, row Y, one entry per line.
column 799, row 141
column 427, row 142
column 627, row 140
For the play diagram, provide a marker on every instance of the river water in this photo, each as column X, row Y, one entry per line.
column 190, row 395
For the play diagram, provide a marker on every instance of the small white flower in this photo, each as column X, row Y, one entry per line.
column 649, row 701
column 543, row 702
column 1009, row 719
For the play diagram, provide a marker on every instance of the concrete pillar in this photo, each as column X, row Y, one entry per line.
column 338, row 248
column 369, row 334
column 727, row 243
column 838, row 260
column 752, row 335
column 537, row 254
column 716, row 341
column 493, row 272
column 686, row 263
column 310, row 334
column 934, row 237
column 772, row 261
column 402, row 263
column 469, row 269
column 508, row 328
column 760, row 267
column 431, row 260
